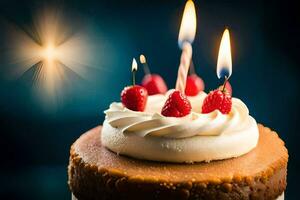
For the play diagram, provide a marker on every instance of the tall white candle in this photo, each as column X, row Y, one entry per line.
column 183, row 69
column 186, row 37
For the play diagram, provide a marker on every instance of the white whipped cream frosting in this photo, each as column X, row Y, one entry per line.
column 194, row 138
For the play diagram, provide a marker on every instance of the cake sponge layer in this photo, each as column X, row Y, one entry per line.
column 97, row 173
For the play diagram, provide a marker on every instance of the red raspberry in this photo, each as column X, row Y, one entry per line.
column 134, row 97
column 194, row 85
column 154, row 84
column 177, row 105
column 228, row 88
column 217, row 100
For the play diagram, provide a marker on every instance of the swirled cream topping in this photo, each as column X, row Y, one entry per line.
column 195, row 137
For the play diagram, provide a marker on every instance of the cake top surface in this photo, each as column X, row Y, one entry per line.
column 196, row 137
column 269, row 154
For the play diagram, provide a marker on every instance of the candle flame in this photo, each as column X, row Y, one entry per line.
column 224, row 64
column 142, row 59
column 188, row 25
column 134, row 65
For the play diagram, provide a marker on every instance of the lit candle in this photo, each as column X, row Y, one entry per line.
column 224, row 64
column 154, row 83
column 133, row 70
column 186, row 37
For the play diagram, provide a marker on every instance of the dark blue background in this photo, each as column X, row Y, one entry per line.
column 34, row 144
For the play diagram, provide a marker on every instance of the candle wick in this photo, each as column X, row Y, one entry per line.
column 224, row 85
column 133, row 77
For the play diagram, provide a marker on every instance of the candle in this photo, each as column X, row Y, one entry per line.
column 133, row 70
column 185, row 39
column 224, row 63
column 220, row 99
column 154, row 83
column 145, row 64
column 134, row 97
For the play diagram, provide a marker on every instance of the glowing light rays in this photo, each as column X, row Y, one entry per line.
column 50, row 54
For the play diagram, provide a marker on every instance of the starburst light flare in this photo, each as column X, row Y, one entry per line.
column 51, row 54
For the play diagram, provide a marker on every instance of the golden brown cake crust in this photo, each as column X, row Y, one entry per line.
column 97, row 173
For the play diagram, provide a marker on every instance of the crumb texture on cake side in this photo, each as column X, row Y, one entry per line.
column 97, row 173
column 281, row 197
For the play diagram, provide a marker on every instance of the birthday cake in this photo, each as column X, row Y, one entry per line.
column 181, row 143
column 144, row 155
